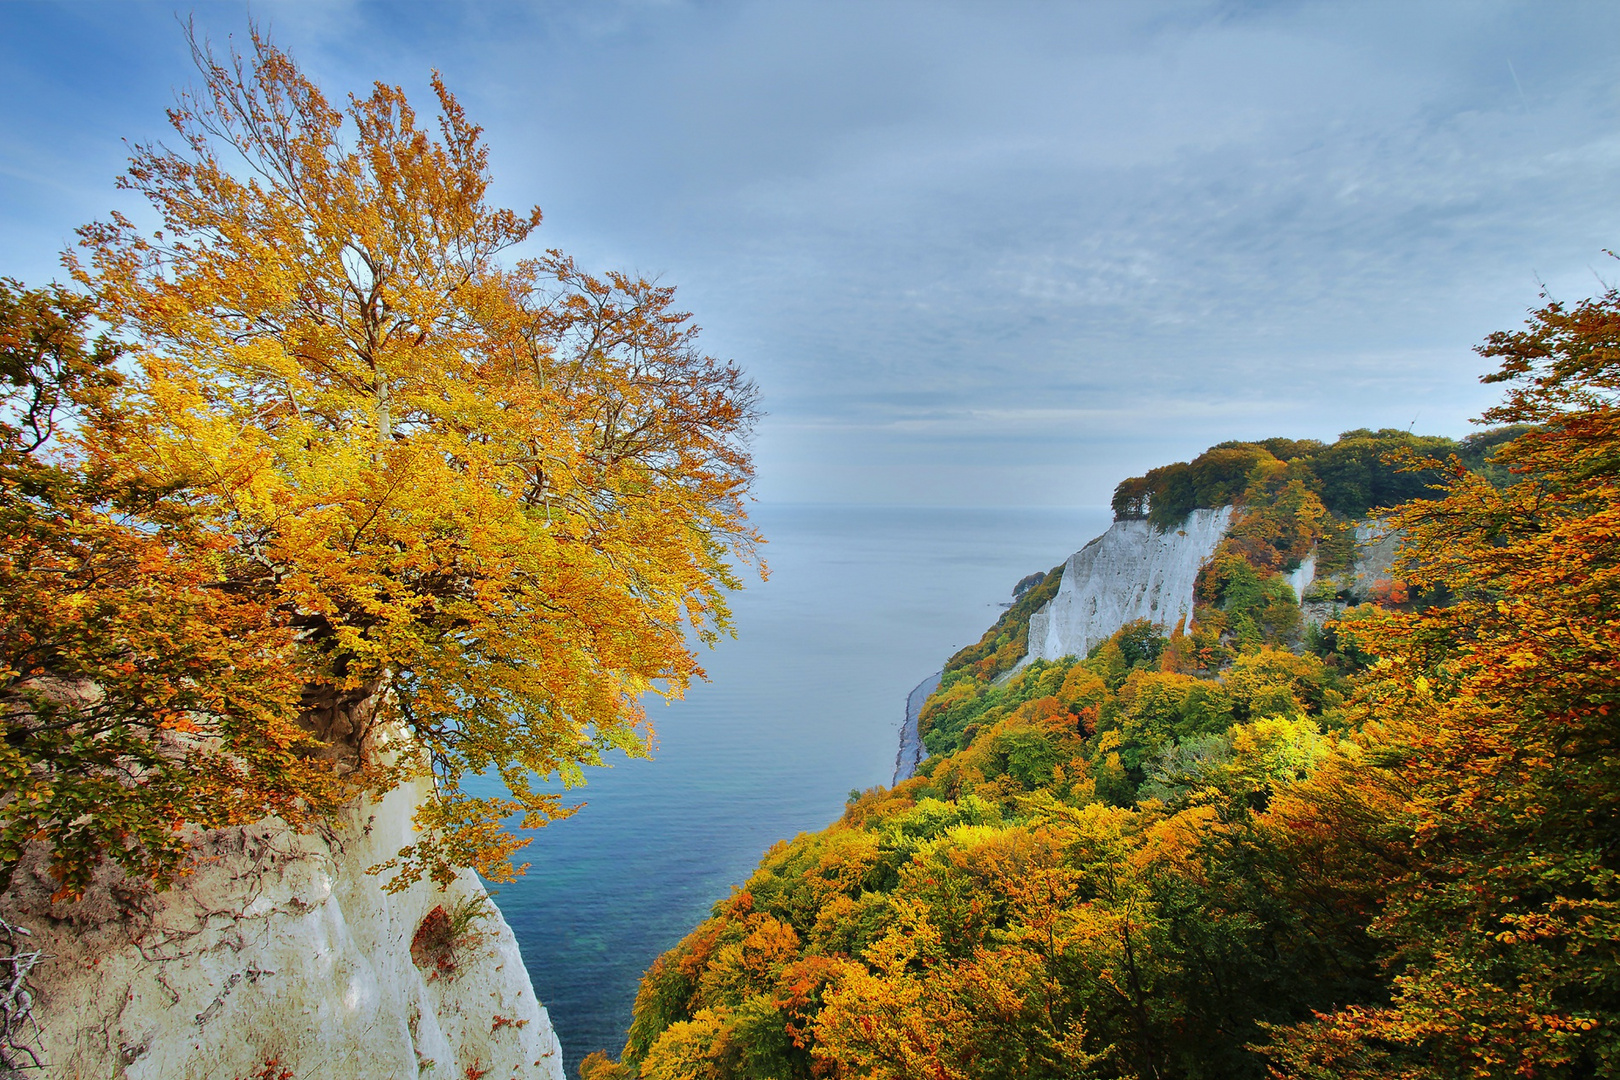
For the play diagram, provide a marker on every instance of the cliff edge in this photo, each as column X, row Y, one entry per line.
column 1132, row 571
column 279, row 947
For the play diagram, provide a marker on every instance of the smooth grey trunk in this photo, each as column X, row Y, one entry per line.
column 385, row 418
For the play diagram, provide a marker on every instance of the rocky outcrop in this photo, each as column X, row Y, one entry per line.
column 1301, row 577
column 1132, row 571
column 1376, row 547
column 279, row 946
column 1371, row 572
column 911, row 747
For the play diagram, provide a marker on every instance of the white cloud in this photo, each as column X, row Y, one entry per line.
column 953, row 237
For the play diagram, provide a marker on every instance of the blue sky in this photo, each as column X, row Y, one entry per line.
column 973, row 254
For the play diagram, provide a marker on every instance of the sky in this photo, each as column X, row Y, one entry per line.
column 972, row 254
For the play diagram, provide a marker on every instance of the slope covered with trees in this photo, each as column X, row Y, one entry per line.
column 1386, row 850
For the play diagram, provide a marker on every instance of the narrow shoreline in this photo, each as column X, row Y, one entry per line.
column 910, row 754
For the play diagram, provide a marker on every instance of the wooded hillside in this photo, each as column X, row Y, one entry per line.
column 1387, row 849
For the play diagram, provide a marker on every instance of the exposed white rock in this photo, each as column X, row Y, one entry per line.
column 1132, row 571
column 1376, row 545
column 1302, row 577
column 1372, row 568
column 280, row 947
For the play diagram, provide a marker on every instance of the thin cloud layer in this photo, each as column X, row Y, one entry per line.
column 977, row 254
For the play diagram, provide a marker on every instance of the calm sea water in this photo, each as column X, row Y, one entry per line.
column 806, row 704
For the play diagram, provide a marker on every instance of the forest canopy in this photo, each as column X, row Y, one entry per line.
column 1352, row 475
column 1380, row 848
column 342, row 463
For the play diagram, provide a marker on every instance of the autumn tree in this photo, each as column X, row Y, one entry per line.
column 489, row 494
column 136, row 696
column 1496, row 717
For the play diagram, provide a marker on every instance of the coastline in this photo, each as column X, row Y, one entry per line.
column 910, row 754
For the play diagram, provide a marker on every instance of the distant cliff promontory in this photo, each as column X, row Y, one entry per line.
column 1132, row 571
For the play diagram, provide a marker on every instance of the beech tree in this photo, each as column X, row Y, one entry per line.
column 136, row 697
column 1496, row 718
column 489, row 494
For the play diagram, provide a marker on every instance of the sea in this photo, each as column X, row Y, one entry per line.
column 801, row 709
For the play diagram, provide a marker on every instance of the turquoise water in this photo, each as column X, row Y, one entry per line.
column 862, row 603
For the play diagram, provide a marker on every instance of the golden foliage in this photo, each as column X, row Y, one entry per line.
column 489, row 493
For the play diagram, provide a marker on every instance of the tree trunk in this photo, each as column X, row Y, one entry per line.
column 343, row 719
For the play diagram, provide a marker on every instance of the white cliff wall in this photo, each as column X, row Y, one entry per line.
column 1133, row 571
column 1302, row 576
column 1376, row 548
column 1373, row 568
column 1130, row 572
column 280, row 947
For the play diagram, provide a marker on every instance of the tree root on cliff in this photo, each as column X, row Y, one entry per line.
column 18, row 1026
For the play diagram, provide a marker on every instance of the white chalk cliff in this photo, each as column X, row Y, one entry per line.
column 1132, row 571
column 279, row 946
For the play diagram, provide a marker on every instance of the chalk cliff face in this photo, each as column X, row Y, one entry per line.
column 1130, row 572
column 280, row 947
column 1373, row 567
column 1376, row 547
column 1133, row 571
